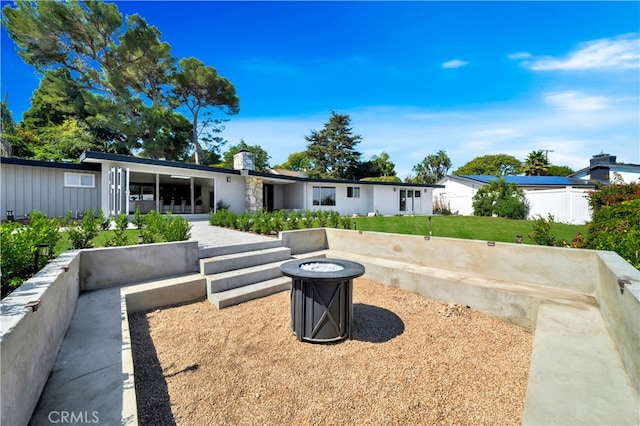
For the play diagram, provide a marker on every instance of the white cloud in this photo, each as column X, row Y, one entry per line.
column 621, row 52
column 572, row 100
column 408, row 134
column 454, row 63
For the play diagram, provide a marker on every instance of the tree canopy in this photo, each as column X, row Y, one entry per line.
column 117, row 77
column 432, row 168
column 199, row 88
column 297, row 161
column 332, row 150
column 501, row 199
column 260, row 161
column 536, row 164
column 492, row 165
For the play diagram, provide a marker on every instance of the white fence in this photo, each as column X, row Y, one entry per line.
column 568, row 205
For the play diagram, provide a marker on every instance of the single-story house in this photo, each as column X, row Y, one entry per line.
column 120, row 184
column 563, row 197
column 603, row 168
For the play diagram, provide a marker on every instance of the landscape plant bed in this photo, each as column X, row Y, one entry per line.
column 411, row 360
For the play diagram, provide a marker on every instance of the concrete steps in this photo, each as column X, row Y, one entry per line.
column 249, row 292
column 236, row 274
column 245, row 259
column 143, row 296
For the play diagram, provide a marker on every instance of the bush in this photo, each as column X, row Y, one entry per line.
column 82, row 232
column 177, row 228
column 612, row 195
column 120, row 237
column 617, row 228
column 541, row 233
column 19, row 244
column 502, row 199
column 160, row 228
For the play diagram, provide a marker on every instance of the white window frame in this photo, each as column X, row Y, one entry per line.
column 78, row 177
column 355, row 191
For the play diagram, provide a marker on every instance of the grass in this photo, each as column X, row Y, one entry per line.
column 100, row 241
column 467, row 227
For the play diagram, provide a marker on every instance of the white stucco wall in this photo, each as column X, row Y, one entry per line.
column 457, row 196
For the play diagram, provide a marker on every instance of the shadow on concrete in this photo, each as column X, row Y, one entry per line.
column 152, row 394
column 375, row 325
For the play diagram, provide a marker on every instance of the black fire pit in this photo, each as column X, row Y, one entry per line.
column 321, row 297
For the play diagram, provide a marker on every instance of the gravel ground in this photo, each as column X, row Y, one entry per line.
column 411, row 360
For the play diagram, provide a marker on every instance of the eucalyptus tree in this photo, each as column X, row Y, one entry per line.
column 332, row 150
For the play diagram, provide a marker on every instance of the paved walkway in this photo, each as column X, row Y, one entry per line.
column 214, row 236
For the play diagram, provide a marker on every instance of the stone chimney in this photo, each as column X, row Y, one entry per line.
column 244, row 160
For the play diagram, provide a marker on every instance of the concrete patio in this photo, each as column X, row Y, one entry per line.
column 584, row 368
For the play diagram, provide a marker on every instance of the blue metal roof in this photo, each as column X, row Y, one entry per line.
column 534, row 180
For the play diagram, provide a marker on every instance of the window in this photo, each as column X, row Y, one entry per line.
column 353, row 192
column 79, row 180
column 324, row 196
column 417, row 194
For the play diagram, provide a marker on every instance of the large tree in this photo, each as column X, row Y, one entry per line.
column 121, row 69
column 536, row 164
column 432, row 168
column 333, row 149
column 260, row 160
column 297, row 161
column 201, row 90
column 491, row 165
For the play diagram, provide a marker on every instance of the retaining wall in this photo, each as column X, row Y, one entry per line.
column 30, row 338
column 501, row 279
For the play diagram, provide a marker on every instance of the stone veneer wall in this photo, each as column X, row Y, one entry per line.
column 253, row 193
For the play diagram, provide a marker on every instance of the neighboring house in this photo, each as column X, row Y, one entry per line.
column 120, row 184
column 602, row 168
column 563, row 197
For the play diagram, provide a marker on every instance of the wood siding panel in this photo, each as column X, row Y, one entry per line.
column 27, row 188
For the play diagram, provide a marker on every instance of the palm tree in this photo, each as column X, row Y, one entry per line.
column 536, row 164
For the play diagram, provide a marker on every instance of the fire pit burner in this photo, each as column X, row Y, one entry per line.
column 321, row 297
column 321, row 267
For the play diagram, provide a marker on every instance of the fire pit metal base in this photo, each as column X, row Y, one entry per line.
column 321, row 297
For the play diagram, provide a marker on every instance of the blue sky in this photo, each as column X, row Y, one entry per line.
column 469, row 78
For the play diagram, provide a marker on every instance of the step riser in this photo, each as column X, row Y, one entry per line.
column 219, row 300
column 241, row 279
column 249, row 259
column 237, row 248
column 180, row 292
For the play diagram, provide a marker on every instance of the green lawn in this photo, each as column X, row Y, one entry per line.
column 468, row 227
column 99, row 241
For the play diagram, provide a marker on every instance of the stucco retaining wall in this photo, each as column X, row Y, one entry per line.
column 30, row 339
column 502, row 279
column 113, row 266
